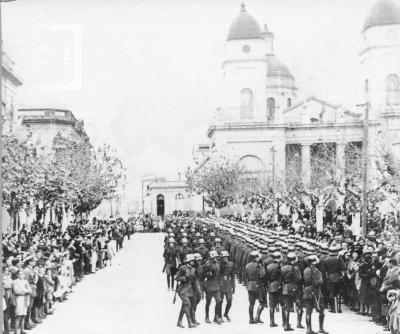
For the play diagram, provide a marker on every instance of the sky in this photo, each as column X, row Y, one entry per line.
column 144, row 75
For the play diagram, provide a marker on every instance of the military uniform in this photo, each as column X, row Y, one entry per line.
column 172, row 260
column 291, row 281
column 185, row 292
column 333, row 267
column 228, row 285
column 212, row 285
column 273, row 279
column 312, row 296
column 254, row 273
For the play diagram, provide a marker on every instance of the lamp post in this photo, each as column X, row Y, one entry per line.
column 273, row 151
column 364, row 208
column 1, row 159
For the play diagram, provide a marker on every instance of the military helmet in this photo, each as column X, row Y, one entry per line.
column 198, row 257
column 254, row 254
column 224, row 253
column 212, row 234
column 184, row 241
column 213, row 254
column 201, row 241
column 292, row 257
column 189, row 257
column 171, row 240
column 276, row 255
column 217, row 240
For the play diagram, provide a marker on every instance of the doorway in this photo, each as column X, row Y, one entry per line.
column 160, row 205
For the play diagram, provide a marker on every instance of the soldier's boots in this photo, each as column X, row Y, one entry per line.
column 308, row 324
column 227, row 317
column 217, row 320
column 333, row 305
column 179, row 324
column 259, row 311
column 251, row 316
column 321, row 325
column 272, row 318
column 208, row 320
column 194, row 320
column 339, row 305
column 299, row 316
column 287, row 327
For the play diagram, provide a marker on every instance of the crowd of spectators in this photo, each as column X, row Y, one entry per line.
column 41, row 265
column 369, row 272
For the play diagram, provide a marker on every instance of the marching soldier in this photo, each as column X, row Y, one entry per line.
column 184, row 249
column 212, row 273
column 263, row 294
column 202, row 249
column 291, row 279
column 218, row 246
column 172, row 261
column 254, row 273
column 228, row 282
column 273, row 278
column 334, row 268
column 185, row 276
column 197, row 284
column 312, row 294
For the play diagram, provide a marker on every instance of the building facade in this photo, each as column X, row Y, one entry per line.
column 10, row 84
column 261, row 118
column 44, row 124
column 164, row 197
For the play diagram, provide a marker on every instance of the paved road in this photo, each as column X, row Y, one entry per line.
column 131, row 297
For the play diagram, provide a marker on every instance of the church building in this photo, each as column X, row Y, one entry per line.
column 261, row 118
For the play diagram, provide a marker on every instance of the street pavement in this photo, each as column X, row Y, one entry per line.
column 131, row 297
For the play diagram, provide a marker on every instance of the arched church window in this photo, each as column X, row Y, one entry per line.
column 289, row 102
column 392, row 90
column 270, row 108
column 179, row 196
column 246, row 104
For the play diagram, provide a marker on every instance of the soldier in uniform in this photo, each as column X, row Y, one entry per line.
column 312, row 294
column 228, row 282
column 334, row 268
column 197, row 284
column 291, row 279
column 218, row 246
column 185, row 276
column 254, row 273
column 202, row 249
column 172, row 261
column 273, row 279
column 184, row 249
column 212, row 273
column 263, row 294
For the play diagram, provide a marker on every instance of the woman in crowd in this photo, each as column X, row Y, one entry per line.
column 49, row 290
column 21, row 290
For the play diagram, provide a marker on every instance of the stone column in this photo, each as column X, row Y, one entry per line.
column 306, row 163
column 340, row 162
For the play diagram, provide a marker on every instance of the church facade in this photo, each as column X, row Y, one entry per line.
column 261, row 119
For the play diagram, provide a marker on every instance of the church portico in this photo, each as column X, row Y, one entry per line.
column 260, row 116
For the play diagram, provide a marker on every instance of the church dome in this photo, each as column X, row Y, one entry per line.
column 275, row 68
column 384, row 12
column 244, row 27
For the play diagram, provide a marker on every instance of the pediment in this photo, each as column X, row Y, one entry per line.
column 315, row 111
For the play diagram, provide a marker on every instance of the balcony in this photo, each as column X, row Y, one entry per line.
column 46, row 115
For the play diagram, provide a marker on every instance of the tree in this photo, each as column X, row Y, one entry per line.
column 218, row 180
column 69, row 175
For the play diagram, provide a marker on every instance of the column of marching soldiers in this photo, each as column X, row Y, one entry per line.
column 281, row 272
